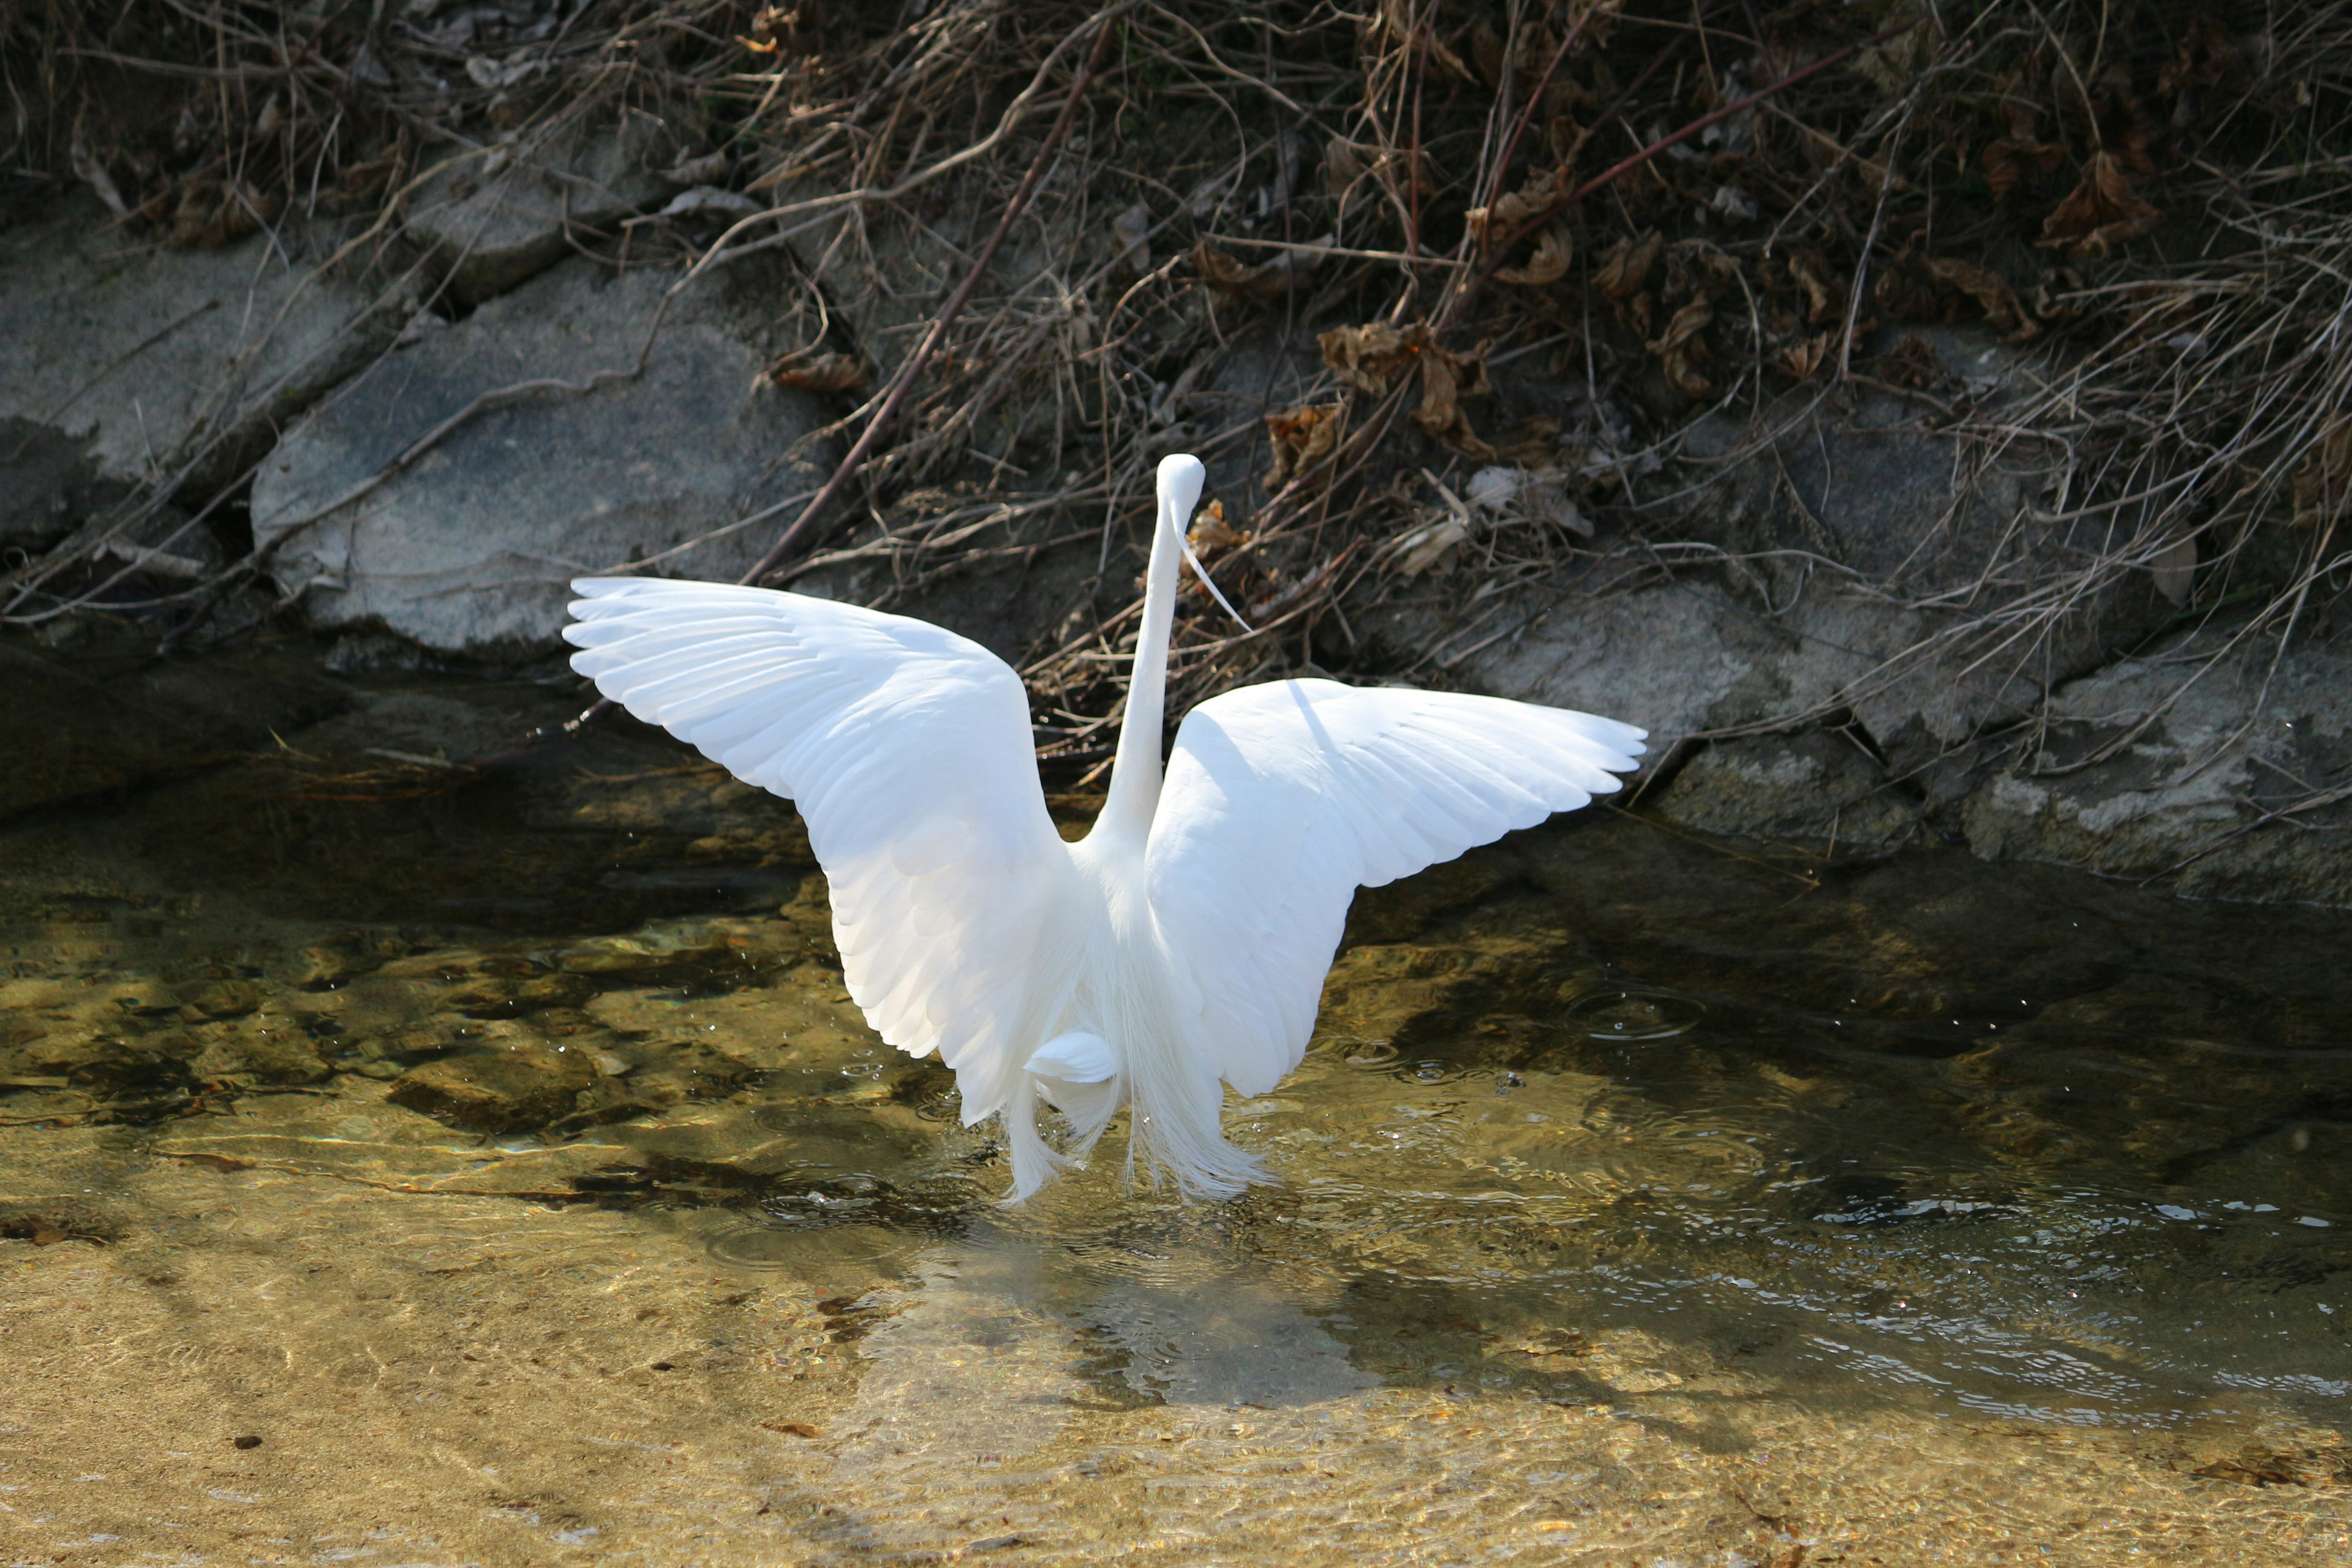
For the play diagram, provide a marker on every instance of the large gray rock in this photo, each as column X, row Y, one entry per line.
column 126, row 364
column 491, row 218
column 468, row 550
column 2193, row 792
column 1847, row 559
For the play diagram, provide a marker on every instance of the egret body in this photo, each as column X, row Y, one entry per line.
column 1182, row 946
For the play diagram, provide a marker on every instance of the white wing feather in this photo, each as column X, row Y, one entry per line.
column 1282, row 799
column 907, row 750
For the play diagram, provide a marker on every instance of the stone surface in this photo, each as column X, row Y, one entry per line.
column 1814, row 787
column 470, row 549
column 127, row 362
column 489, row 220
column 2188, row 793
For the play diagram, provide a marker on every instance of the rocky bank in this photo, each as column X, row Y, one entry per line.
column 439, row 441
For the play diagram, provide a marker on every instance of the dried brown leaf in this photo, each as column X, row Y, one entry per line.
column 1548, row 265
column 213, row 213
column 1625, row 265
column 1539, row 199
column 1804, row 360
column 2011, row 165
column 2175, row 570
column 1210, row 535
column 1445, row 380
column 364, row 182
column 1913, row 362
column 1417, row 550
column 1999, row 302
column 1564, row 137
column 2050, row 301
column 1682, row 350
column 1228, row 276
column 2207, row 58
column 2102, row 213
column 1531, row 443
column 1824, row 296
column 92, row 171
column 1907, row 291
column 1895, row 64
column 1266, row 281
column 1301, row 437
column 1366, row 356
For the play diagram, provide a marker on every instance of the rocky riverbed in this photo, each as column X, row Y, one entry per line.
column 403, row 1165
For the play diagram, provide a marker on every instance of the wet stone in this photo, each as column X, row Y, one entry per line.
column 262, row 1055
column 1814, row 787
column 517, row 996
column 224, row 999
column 510, row 1091
column 45, row 1221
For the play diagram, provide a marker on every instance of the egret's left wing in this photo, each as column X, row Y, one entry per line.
column 1282, row 799
column 908, row 749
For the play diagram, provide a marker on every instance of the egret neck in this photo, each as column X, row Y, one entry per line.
column 1125, row 823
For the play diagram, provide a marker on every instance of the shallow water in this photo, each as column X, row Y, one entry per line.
column 508, row 1163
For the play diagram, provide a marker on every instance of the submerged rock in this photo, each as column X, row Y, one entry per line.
column 470, row 548
column 272, row 1053
column 128, row 364
column 515, row 1089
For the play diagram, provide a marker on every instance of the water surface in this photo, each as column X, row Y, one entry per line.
column 399, row 1170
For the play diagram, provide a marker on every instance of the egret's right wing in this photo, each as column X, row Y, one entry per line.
column 1282, row 799
column 907, row 750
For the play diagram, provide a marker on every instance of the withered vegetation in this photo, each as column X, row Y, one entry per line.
column 1661, row 211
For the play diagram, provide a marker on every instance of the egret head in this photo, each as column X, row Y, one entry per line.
column 1181, row 476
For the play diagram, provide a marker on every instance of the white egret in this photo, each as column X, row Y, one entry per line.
column 1182, row 944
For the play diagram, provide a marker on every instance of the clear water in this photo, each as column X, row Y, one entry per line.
column 1646, row 1201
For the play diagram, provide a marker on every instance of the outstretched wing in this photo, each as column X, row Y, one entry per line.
column 1282, row 799
column 907, row 749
